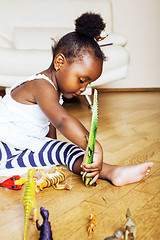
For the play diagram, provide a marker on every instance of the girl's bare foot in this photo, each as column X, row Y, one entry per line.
column 123, row 175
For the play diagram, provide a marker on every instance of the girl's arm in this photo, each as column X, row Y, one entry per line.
column 48, row 100
column 68, row 125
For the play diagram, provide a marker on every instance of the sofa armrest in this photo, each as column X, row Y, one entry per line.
column 114, row 38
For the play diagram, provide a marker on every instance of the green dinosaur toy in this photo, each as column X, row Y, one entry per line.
column 29, row 200
column 88, row 157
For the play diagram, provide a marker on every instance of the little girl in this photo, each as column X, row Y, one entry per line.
column 31, row 112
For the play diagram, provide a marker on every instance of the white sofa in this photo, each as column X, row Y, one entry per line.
column 27, row 27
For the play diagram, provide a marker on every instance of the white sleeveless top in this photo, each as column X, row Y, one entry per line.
column 23, row 126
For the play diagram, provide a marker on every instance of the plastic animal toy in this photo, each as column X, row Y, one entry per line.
column 45, row 228
column 92, row 224
column 29, row 200
column 49, row 179
column 130, row 226
column 119, row 234
column 14, row 182
column 88, row 157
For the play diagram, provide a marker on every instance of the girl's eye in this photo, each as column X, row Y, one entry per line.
column 81, row 81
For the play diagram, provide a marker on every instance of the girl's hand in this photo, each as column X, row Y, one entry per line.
column 93, row 170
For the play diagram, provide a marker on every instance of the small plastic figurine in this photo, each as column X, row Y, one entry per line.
column 45, row 228
column 29, row 200
column 130, row 226
column 14, row 182
column 50, row 179
column 88, row 157
column 92, row 224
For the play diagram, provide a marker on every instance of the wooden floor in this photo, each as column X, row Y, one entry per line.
column 129, row 130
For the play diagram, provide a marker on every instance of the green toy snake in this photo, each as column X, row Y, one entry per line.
column 88, row 157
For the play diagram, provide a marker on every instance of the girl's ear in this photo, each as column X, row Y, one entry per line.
column 59, row 61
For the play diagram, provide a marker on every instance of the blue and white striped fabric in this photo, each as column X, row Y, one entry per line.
column 54, row 152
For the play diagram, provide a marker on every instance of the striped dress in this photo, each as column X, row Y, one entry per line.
column 23, row 141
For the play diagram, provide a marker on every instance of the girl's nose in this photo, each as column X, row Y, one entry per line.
column 82, row 89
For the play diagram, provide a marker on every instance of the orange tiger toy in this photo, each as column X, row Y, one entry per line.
column 92, row 224
column 50, row 179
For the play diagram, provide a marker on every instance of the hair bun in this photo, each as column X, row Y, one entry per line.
column 90, row 24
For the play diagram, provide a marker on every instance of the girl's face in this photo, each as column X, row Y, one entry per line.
column 73, row 78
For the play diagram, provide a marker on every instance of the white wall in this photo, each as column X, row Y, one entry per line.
column 139, row 20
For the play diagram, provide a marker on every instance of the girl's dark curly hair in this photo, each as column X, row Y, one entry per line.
column 75, row 44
